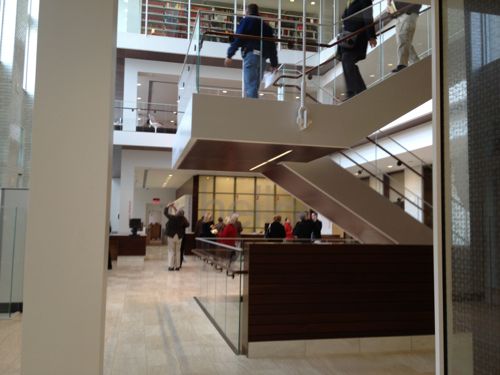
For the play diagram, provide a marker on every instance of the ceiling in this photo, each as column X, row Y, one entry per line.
column 149, row 178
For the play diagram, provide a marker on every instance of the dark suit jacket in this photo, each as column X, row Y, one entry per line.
column 176, row 225
column 353, row 22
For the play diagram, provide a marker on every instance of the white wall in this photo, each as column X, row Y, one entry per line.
column 414, row 192
column 134, row 66
column 68, row 215
column 132, row 159
column 143, row 197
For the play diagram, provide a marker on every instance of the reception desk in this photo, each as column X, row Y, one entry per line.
column 121, row 244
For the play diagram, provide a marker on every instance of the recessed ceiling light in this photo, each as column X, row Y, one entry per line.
column 224, row 91
column 390, row 64
column 292, row 1
column 178, row 101
column 175, row 112
column 261, row 94
column 389, row 166
column 343, row 94
column 169, row 175
column 139, row 84
column 297, row 97
column 172, row 121
column 139, row 98
column 372, row 75
column 313, row 2
column 139, row 119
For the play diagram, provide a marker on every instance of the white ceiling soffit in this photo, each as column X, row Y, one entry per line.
column 156, row 178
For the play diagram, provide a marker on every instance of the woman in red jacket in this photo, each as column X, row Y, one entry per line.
column 288, row 229
column 229, row 233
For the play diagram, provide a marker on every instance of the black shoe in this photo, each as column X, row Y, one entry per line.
column 177, row 269
column 398, row 68
column 170, row 268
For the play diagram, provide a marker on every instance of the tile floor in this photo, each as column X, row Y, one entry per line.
column 154, row 326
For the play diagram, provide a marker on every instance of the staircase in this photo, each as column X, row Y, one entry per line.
column 253, row 131
column 349, row 202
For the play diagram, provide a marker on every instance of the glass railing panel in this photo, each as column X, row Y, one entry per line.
column 144, row 116
column 221, row 266
column 397, row 152
column 325, row 80
column 190, row 75
column 12, row 240
column 382, row 182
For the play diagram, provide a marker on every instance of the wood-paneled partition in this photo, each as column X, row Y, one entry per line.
column 309, row 291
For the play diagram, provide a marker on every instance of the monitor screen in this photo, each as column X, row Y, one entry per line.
column 135, row 223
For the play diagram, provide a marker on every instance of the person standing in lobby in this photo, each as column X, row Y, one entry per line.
column 406, row 23
column 357, row 15
column 254, row 51
column 175, row 231
column 317, row 225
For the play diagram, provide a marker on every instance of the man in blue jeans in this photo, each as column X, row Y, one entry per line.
column 254, row 51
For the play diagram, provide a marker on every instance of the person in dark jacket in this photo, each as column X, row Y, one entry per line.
column 204, row 226
column 406, row 23
column 303, row 228
column 175, row 231
column 317, row 225
column 254, row 51
column 354, row 19
column 276, row 229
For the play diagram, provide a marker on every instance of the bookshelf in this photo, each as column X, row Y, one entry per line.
column 173, row 18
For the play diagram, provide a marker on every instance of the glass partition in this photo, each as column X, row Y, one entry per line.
column 143, row 116
column 12, row 237
column 325, row 82
column 220, row 293
column 222, row 272
column 387, row 184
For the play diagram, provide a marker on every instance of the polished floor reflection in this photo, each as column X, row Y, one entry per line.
column 154, row 326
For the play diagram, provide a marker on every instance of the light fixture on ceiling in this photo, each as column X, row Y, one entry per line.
column 261, row 94
column 172, row 121
column 313, row 2
column 139, row 84
column 169, row 175
column 399, row 163
column 270, row 160
column 175, row 112
column 297, row 97
column 139, row 98
column 224, row 91
column 389, row 166
column 342, row 94
column 359, row 172
column 292, row 1
column 372, row 75
column 390, row 64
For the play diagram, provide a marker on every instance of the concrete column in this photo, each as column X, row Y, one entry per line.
column 68, row 220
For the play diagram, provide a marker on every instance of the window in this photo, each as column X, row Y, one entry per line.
column 31, row 46
column 8, row 11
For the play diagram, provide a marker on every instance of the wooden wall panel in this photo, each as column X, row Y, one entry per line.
column 338, row 291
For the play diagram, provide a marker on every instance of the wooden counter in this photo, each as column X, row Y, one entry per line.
column 120, row 244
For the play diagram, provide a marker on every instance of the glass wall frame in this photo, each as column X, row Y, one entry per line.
column 256, row 200
column 469, row 89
